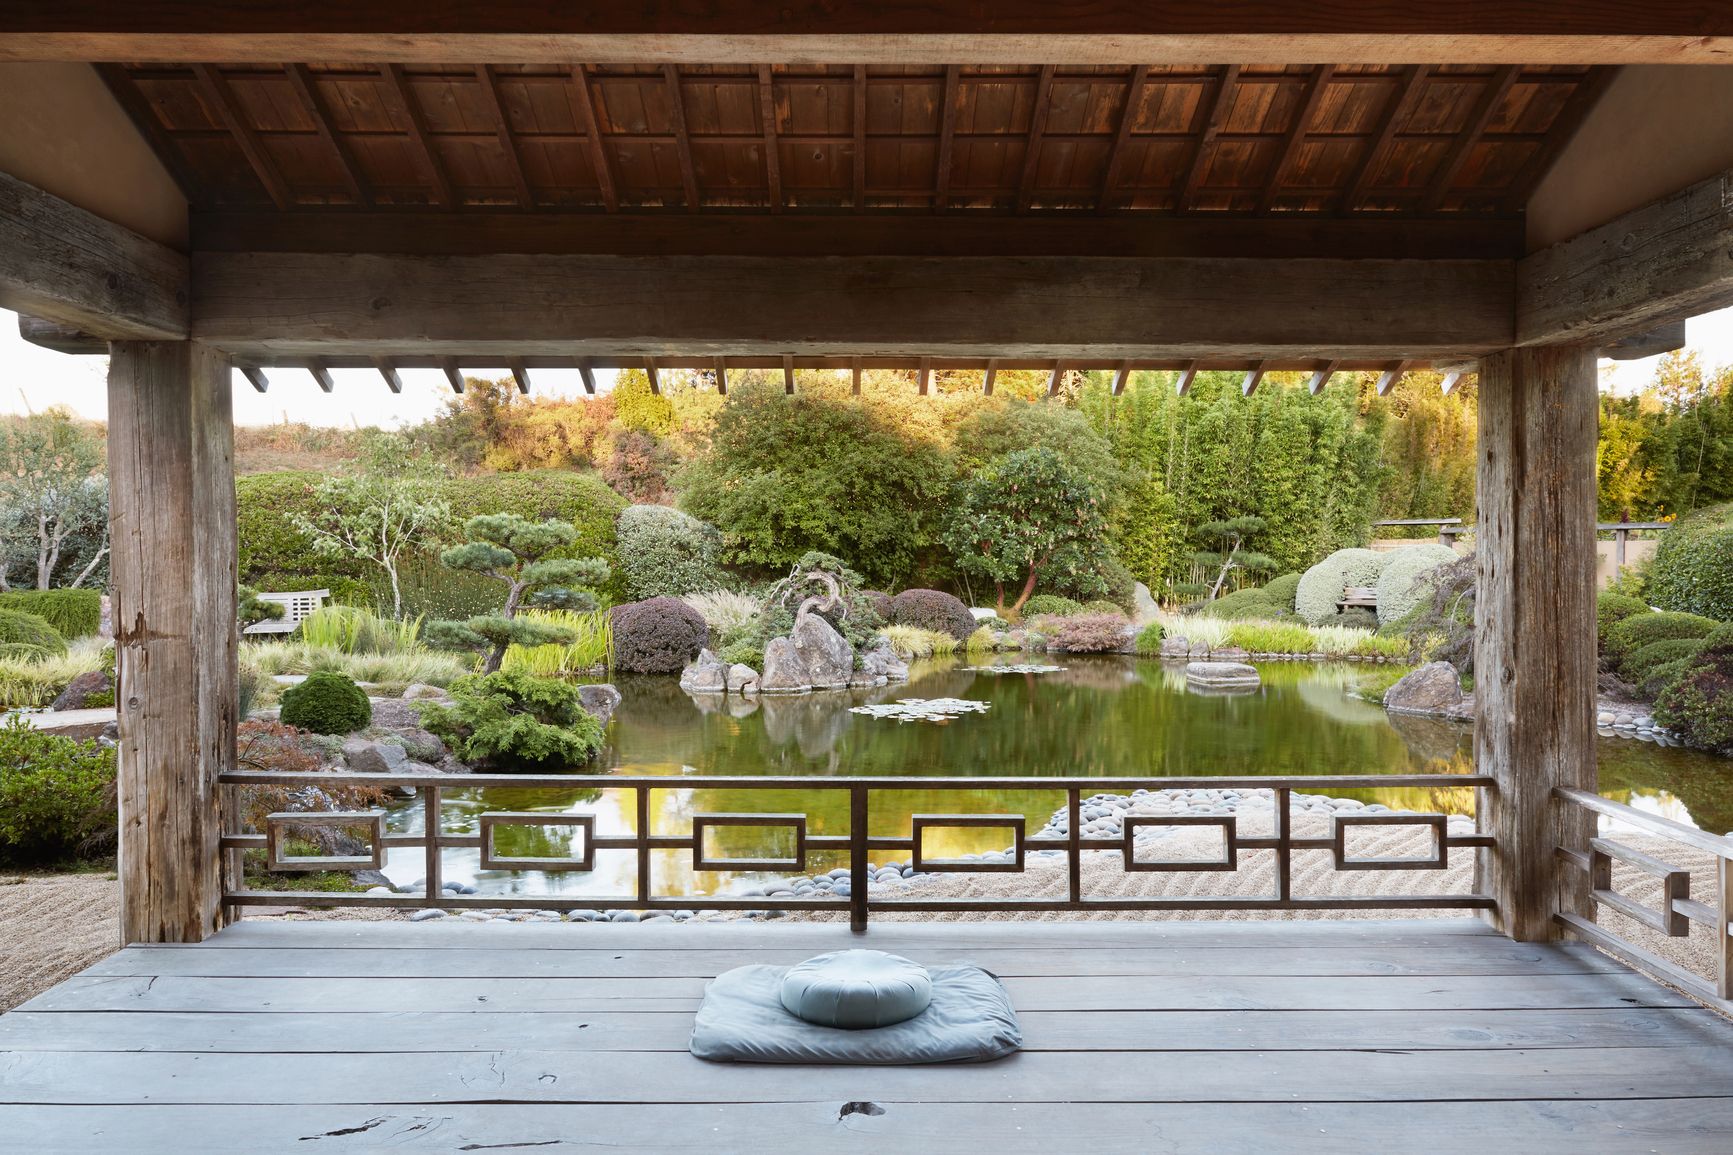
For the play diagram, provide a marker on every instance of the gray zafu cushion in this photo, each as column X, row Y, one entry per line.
column 742, row 1020
column 854, row 989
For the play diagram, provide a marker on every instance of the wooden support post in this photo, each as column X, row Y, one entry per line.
column 788, row 375
column 854, row 369
column 1534, row 657
column 172, row 508
column 987, row 377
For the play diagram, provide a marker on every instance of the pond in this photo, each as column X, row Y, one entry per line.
column 1094, row 717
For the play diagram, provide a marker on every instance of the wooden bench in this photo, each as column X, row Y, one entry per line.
column 298, row 606
column 1364, row 597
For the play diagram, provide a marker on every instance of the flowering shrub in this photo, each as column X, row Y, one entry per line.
column 664, row 552
column 1400, row 586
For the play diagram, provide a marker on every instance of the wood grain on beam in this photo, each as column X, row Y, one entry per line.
column 772, row 155
column 1457, row 155
column 682, row 139
column 858, row 123
column 306, row 90
column 398, row 94
column 899, row 33
column 63, row 264
column 1034, row 308
column 871, row 235
column 61, row 338
column 388, row 373
column 1032, row 146
column 1653, row 266
column 1396, row 113
column 1316, row 83
column 1214, row 114
column 947, row 134
column 1107, row 199
column 584, row 114
column 489, row 85
column 214, row 88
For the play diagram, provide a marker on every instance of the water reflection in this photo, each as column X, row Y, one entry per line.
column 1099, row 717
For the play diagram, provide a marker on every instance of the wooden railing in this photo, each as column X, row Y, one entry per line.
column 1678, row 907
column 433, row 840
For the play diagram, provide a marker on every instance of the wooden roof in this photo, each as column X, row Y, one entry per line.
column 1353, row 140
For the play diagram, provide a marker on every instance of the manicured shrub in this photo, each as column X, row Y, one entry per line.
column 1149, row 639
column 326, row 703
column 1698, row 705
column 1639, row 663
column 1102, row 606
column 73, row 613
column 880, row 602
column 1243, row 604
column 1401, row 585
column 515, row 722
column 1612, row 608
column 666, row 553
column 1663, row 676
column 1639, row 630
column 1320, row 588
column 934, row 610
column 657, row 636
column 1051, row 604
column 1281, row 590
column 1091, row 633
column 26, row 629
column 1272, row 637
column 1692, row 571
column 56, row 796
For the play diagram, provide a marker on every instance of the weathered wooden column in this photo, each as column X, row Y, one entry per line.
column 172, row 507
column 1534, row 656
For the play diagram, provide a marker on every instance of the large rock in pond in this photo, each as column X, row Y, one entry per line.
column 826, row 654
column 1221, row 676
column 881, row 661
column 1433, row 689
column 1175, row 648
column 599, row 701
column 707, row 675
column 784, row 670
column 742, row 679
column 90, row 684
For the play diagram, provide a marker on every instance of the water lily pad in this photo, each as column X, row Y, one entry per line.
column 1021, row 668
column 923, row 709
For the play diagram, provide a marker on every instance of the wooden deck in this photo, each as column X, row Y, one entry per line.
column 1426, row 1035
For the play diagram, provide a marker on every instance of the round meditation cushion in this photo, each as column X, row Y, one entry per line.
column 854, row 989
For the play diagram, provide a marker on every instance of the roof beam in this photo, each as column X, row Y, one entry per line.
column 947, row 132
column 1463, row 143
column 854, row 371
column 772, row 154
column 1121, row 375
column 584, row 115
column 1214, row 115
column 489, row 82
column 397, row 92
column 1054, row 378
column 788, row 374
column 1651, row 267
column 63, row 264
column 1321, row 377
column 722, row 376
column 655, row 378
column 1254, row 376
column 1271, row 31
column 1037, row 125
column 1564, row 129
column 388, row 372
column 682, row 140
column 1396, row 113
column 321, row 374
column 1451, row 380
column 313, row 103
column 924, row 375
column 858, row 122
column 1121, row 133
column 588, row 373
column 216, row 90
column 255, row 377
column 1392, row 376
column 1187, row 374
column 1296, row 134
column 987, row 377
column 453, row 374
column 521, row 375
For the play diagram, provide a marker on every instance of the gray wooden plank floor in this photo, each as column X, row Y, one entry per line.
column 1423, row 1035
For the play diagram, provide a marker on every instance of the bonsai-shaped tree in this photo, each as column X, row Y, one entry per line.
column 251, row 609
column 1229, row 552
column 1026, row 516
column 514, row 550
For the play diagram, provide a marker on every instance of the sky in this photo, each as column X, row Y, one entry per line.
column 33, row 379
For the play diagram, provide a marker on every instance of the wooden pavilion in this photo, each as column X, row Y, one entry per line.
column 1495, row 188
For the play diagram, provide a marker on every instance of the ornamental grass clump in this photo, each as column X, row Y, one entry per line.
column 1149, row 639
column 911, row 642
column 591, row 646
column 515, row 722
column 657, row 636
column 57, row 797
column 1271, row 637
column 326, row 703
column 724, row 611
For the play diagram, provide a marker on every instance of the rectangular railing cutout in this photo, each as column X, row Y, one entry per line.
column 1230, row 856
column 281, row 826
column 703, row 824
column 492, row 859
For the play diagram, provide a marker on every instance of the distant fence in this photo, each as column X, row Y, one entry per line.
column 1610, row 563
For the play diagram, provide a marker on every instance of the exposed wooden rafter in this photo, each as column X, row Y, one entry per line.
column 854, row 371
column 1187, row 374
column 143, row 116
column 1490, row 97
column 1032, row 148
column 215, row 89
column 722, row 376
column 588, row 373
column 520, row 374
column 255, row 377
column 1316, row 83
column 313, row 103
column 1392, row 376
column 1396, row 113
column 987, row 376
column 453, row 373
column 322, row 374
column 1121, row 375
column 788, row 374
column 767, row 122
column 947, row 133
column 1570, row 118
column 388, row 373
column 489, row 82
column 1121, row 133
column 584, row 114
column 1254, row 376
column 654, row 377
column 397, row 91
column 1055, row 378
column 1214, row 114
column 924, row 375
column 1321, row 377
column 682, row 138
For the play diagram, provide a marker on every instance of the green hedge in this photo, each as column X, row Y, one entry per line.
column 56, row 796
column 26, row 629
column 73, row 613
column 1698, row 705
column 1693, row 567
column 1639, row 630
column 1639, row 663
column 1612, row 608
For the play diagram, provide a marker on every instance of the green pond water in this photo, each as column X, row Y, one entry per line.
column 1098, row 717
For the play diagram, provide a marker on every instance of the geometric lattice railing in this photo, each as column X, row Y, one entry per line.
column 1676, row 909
column 858, row 842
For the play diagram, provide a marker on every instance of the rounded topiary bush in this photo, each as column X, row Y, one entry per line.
column 19, row 628
column 1281, row 590
column 1639, row 630
column 1051, row 604
column 934, row 610
column 1639, row 663
column 1320, row 588
column 880, row 601
column 72, row 613
column 326, row 703
column 1693, row 567
column 1402, row 585
column 1243, row 604
column 1698, row 705
column 1612, row 608
column 1663, row 676
column 657, row 636
column 666, row 553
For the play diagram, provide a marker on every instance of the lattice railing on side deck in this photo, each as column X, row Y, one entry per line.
column 858, row 842
column 1678, row 907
